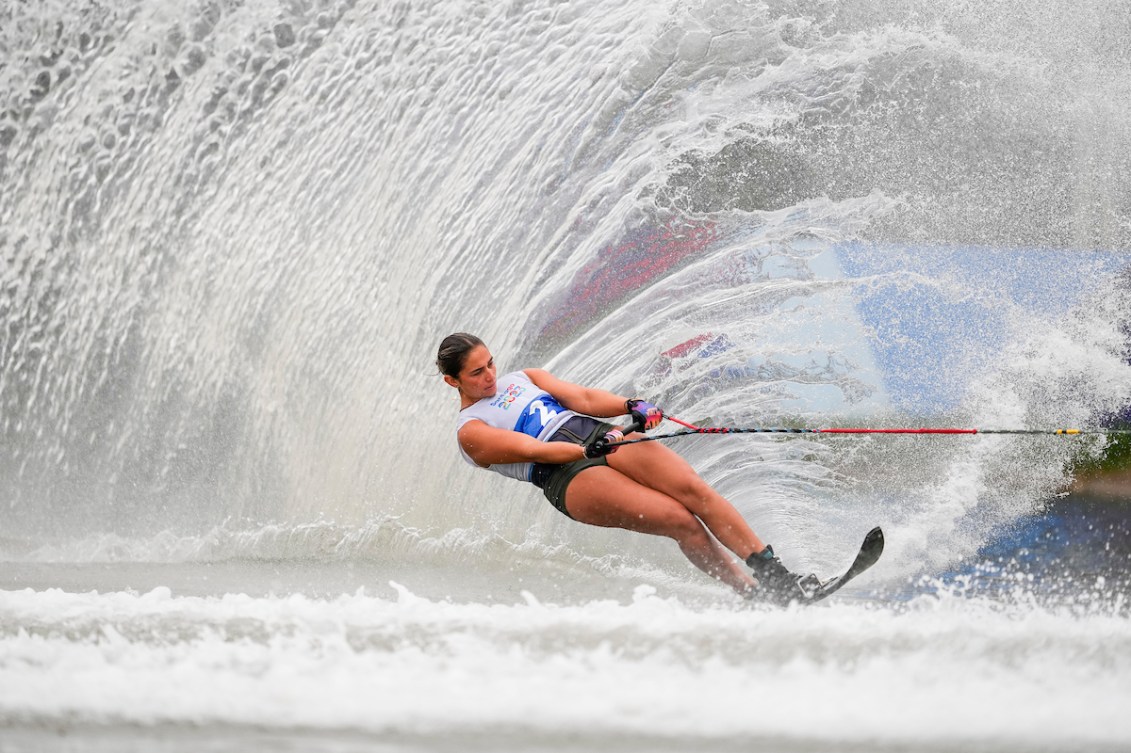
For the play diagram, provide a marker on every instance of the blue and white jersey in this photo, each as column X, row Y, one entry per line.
column 518, row 405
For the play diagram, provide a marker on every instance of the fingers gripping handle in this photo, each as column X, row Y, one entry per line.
column 606, row 444
column 645, row 416
column 602, row 446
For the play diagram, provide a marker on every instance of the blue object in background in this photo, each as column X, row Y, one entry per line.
column 933, row 314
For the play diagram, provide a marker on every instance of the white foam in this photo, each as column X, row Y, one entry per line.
column 945, row 670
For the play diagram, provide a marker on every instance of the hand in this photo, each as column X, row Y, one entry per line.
column 644, row 414
column 605, row 445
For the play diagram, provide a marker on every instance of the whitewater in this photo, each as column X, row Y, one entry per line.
column 233, row 232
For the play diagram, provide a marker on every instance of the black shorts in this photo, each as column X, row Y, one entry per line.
column 553, row 479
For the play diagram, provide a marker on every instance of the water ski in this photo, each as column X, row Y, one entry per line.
column 868, row 555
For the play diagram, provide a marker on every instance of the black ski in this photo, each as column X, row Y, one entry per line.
column 868, row 555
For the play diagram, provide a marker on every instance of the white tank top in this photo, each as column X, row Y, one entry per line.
column 517, row 405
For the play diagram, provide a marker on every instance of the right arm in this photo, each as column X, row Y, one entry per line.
column 487, row 445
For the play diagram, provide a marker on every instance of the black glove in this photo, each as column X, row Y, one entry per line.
column 605, row 445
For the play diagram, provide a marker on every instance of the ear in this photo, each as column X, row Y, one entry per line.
column 452, row 381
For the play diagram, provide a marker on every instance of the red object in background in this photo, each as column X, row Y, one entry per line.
column 620, row 271
column 681, row 350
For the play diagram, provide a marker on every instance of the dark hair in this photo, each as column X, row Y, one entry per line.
column 453, row 352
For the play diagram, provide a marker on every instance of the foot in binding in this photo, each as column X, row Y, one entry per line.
column 776, row 584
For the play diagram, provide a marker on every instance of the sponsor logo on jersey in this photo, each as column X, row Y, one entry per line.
column 507, row 398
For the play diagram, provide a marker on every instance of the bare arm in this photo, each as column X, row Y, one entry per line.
column 587, row 400
column 487, row 445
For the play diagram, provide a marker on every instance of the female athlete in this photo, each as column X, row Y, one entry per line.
column 532, row 426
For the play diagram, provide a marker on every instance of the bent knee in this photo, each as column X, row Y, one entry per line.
column 690, row 488
column 680, row 524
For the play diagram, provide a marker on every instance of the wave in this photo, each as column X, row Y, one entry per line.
column 235, row 232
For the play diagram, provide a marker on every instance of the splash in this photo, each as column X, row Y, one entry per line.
column 233, row 232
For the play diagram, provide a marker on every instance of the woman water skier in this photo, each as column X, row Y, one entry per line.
column 532, row 426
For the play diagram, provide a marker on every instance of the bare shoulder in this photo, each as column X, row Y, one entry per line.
column 473, row 428
column 474, row 436
column 548, row 382
column 537, row 376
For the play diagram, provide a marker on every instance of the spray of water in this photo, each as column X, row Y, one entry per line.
column 233, row 233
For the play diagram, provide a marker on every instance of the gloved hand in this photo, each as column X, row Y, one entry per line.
column 605, row 445
column 644, row 414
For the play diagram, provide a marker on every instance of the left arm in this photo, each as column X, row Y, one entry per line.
column 587, row 400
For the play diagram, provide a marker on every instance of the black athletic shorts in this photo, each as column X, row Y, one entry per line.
column 552, row 478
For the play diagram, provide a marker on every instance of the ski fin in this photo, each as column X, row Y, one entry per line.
column 868, row 555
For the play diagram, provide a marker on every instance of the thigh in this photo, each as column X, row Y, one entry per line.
column 661, row 468
column 603, row 496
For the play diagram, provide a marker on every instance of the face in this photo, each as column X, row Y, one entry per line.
column 476, row 379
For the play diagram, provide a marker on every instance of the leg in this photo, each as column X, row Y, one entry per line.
column 603, row 496
column 662, row 469
column 658, row 468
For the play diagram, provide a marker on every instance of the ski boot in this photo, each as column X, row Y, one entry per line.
column 776, row 584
